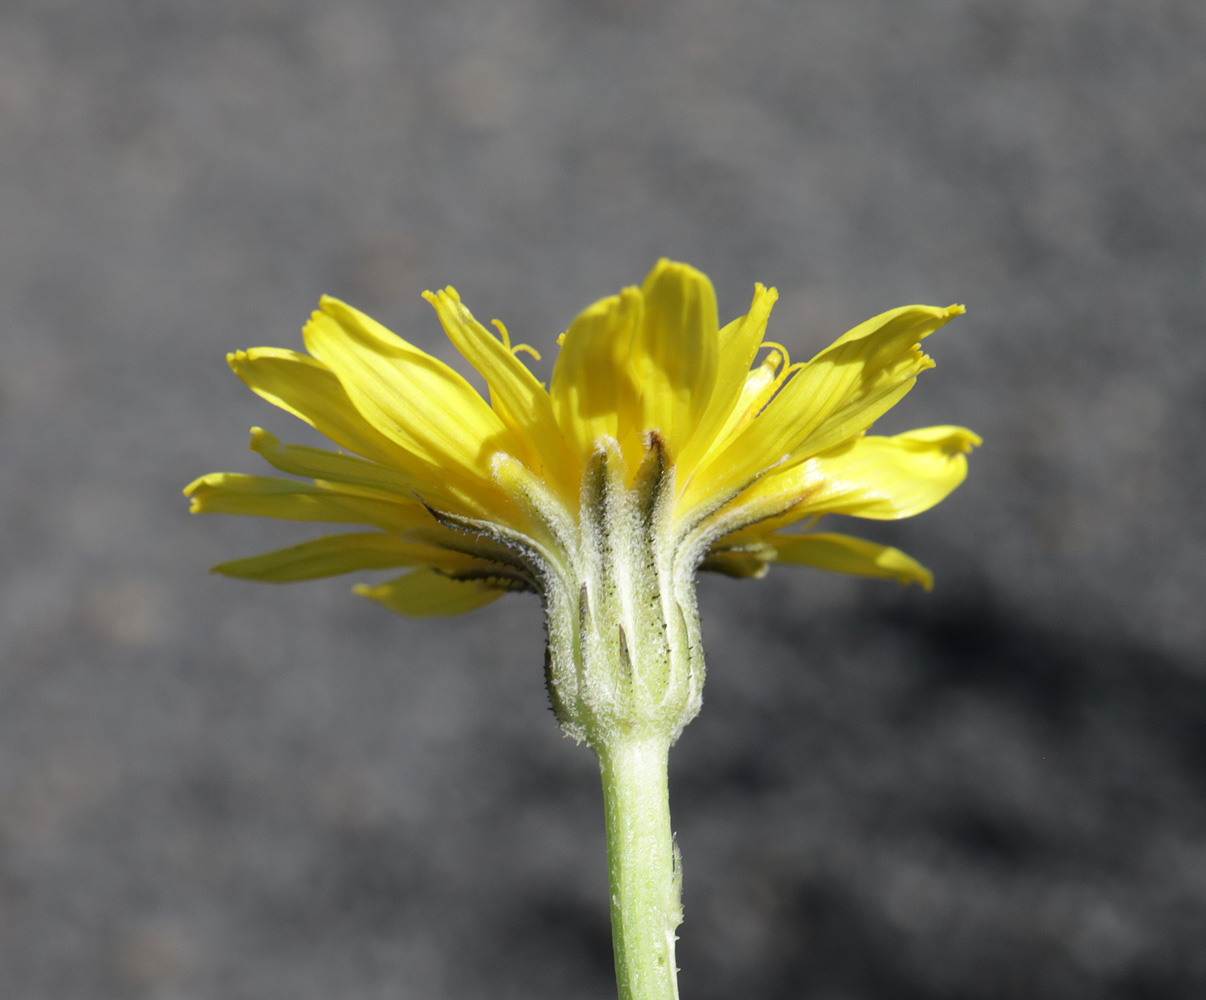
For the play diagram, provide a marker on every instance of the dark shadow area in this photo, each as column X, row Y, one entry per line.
column 993, row 810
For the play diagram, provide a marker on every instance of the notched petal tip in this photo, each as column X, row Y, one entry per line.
column 447, row 292
column 205, row 487
column 210, row 479
column 447, row 298
column 262, row 440
column 962, row 441
column 946, row 438
column 242, row 360
column 201, row 489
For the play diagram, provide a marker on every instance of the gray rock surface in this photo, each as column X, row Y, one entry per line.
column 212, row 790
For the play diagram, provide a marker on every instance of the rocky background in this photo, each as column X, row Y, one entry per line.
column 214, row 790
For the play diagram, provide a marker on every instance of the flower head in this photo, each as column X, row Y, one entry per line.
column 665, row 443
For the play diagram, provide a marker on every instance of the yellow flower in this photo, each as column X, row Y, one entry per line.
column 664, row 444
column 757, row 444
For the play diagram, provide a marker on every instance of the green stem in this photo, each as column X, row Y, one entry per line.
column 643, row 866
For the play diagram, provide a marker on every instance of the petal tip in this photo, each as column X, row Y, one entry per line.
column 768, row 294
column 199, row 484
column 665, row 268
column 263, row 441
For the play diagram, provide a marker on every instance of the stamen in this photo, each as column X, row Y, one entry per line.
column 774, row 345
column 786, row 373
column 506, row 337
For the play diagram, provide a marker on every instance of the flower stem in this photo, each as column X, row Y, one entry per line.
column 643, row 865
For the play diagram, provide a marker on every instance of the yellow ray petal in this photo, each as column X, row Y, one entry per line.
column 888, row 478
column 883, row 478
column 837, row 395
column 412, row 398
column 517, row 395
column 310, row 391
column 593, row 391
column 760, row 385
column 425, row 593
column 385, row 482
column 738, row 346
column 874, row 477
column 266, row 496
column 864, row 373
column 335, row 554
column 844, row 554
column 675, row 352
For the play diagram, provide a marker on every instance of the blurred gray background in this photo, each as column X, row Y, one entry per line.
column 215, row 790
